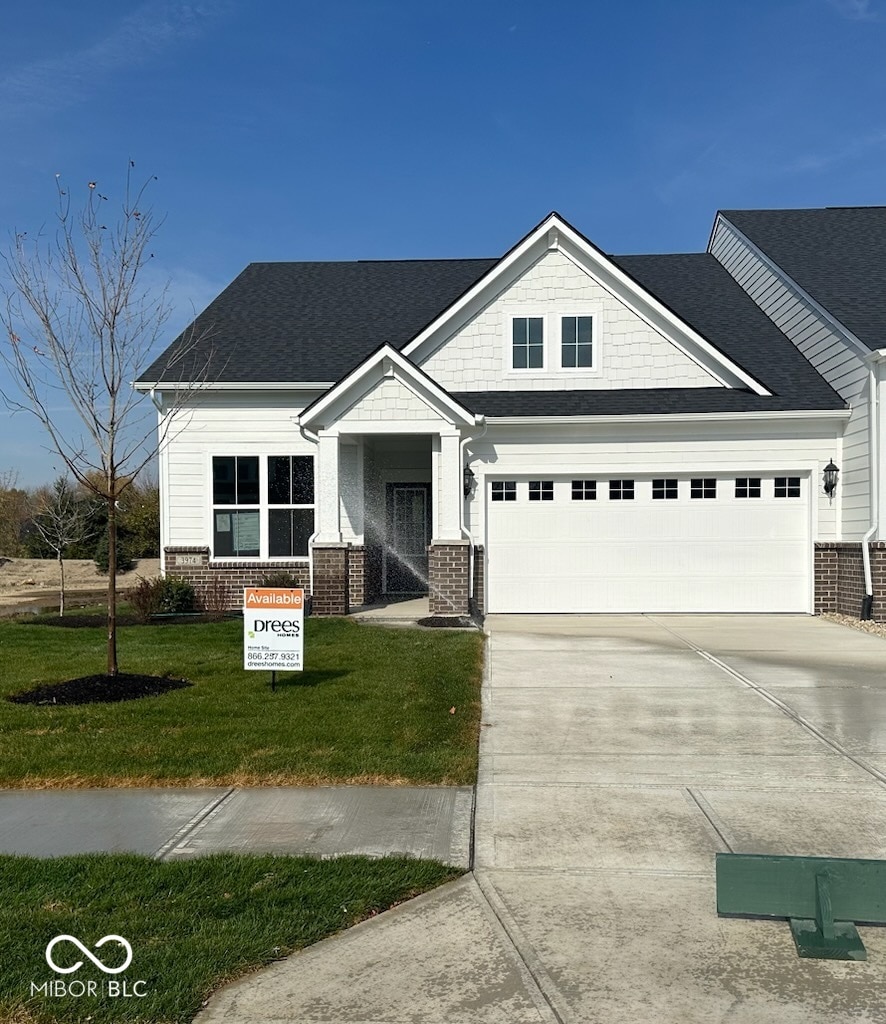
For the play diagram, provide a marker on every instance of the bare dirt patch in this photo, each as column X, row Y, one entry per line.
column 36, row 579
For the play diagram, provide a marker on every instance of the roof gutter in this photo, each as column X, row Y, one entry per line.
column 690, row 417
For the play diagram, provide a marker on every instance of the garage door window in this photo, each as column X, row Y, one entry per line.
column 664, row 489
column 747, row 487
column 584, row 490
column 504, row 490
column 541, row 490
column 621, row 490
column 703, row 488
column 787, row 487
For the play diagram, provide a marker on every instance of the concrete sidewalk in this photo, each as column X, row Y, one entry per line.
column 618, row 755
column 428, row 822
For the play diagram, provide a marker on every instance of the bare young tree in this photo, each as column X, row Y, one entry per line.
column 81, row 318
column 62, row 518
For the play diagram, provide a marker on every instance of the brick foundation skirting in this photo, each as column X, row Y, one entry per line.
column 356, row 577
column 448, row 569
column 219, row 585
column 839, row 578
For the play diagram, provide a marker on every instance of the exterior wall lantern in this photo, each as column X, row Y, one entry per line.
column 831, row 473
column 468, row 478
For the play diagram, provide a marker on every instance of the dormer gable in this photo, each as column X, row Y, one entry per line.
column 557, row 313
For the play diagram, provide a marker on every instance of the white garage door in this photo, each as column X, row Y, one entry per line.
column 635, row 544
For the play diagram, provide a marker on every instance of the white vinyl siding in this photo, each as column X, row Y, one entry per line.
column 659, row 451
column 628, row 352
column 237, row 423
column 832, row 355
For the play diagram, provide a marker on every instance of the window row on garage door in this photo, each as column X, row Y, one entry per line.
column 655, row 488
column 622, row 543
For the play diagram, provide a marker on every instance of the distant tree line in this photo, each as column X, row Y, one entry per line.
column 36, row 522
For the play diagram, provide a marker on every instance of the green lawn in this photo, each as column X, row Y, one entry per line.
column 192, row 925
column 372, row 706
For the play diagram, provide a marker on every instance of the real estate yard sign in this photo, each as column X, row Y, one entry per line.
column 273, row 629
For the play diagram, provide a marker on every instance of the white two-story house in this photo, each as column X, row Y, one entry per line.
column 554, row 430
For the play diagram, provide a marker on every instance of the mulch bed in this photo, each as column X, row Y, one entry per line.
column 448, row 622
column 75, row 621
column 100, row 689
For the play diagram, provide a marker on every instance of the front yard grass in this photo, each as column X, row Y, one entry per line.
column 193, row 925
column 374, row 705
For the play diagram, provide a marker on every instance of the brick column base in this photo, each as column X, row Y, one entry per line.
column 331, row 580
column 839, row 578
column 448, row 577
column 357, row 577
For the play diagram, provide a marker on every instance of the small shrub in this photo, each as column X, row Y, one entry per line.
column 176, row 595
column 145, row 598
column 214, row 600
column 280, row 578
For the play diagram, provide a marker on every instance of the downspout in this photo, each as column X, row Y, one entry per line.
column 464, row 531
column 867, row 604
column 161, row 480
column 309, row 435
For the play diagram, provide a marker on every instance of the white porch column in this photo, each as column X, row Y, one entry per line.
column 449, row 490
column 328, row 506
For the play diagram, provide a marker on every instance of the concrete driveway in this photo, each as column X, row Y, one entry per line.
column 618, row 755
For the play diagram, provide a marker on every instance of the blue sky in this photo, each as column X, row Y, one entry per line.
column 345, row 130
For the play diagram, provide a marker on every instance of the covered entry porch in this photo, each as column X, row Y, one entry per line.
column 390, row 491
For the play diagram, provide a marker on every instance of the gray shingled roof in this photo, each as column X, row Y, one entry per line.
column 837, row 255
column 314, row 322
column 698, row 289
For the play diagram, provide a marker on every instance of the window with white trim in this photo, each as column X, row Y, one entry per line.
column 584, row 490
column 291, row 505
column 262, row 516
column 504, row 490
column 527, row 342
column 703, row 487
column 664, row 489
column 621, row 490
column 236, row 507
column 787, row 487
column 541, row 490
column 577, row 342
column 747, row 487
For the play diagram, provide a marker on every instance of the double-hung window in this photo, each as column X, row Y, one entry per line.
column 527, row 343
column 290, row 505
column 576, row 342
column 236, row 511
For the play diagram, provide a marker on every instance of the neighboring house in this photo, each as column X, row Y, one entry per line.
column 557, row 430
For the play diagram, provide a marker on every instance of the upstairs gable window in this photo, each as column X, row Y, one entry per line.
column 528, row 342
column 576, row 342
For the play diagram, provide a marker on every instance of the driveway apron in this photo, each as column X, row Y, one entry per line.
column 618, row 755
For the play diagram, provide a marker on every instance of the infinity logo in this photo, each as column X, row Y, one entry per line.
column 86, row 952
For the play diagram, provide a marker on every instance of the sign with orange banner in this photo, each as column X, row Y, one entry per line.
column 273, row 629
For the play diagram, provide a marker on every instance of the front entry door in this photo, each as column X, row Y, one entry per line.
column 408, row 536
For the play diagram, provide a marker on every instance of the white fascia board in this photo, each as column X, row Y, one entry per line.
column 552, row 232
column 288, row 385
column 878, row 355
column 689, row 417
column 792, row 285
column 405, row 372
